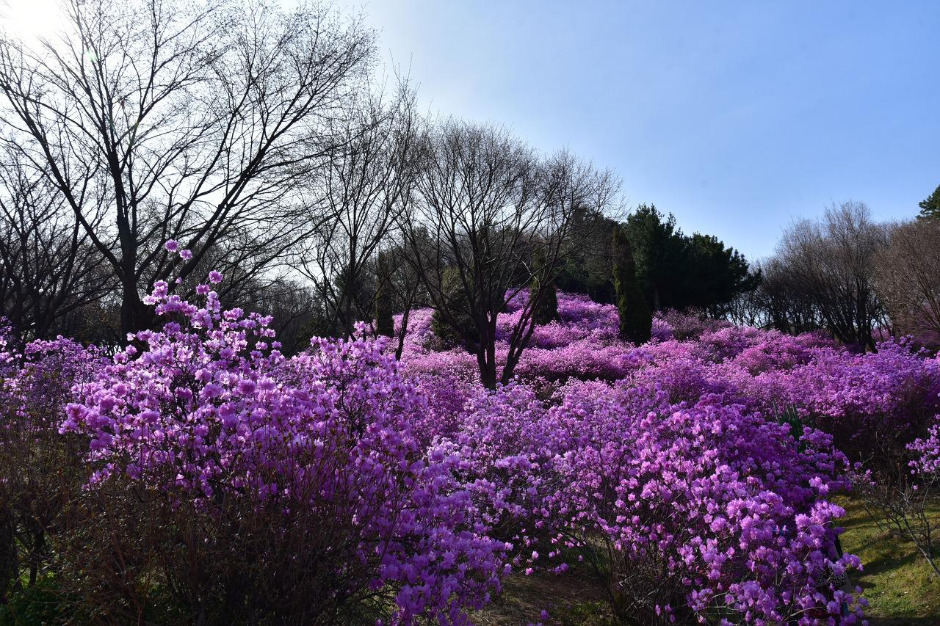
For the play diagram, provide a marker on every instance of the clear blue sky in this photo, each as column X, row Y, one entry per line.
column 738, row 117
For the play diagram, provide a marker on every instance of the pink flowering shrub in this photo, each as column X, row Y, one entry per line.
column 775, row 351
column 227, row 482
column 690, row 325
column 240, row 448
column 419, row 337
column 595, row 465
column 661, row 330
column 582, row 359
column 701, row 508
column 527, row 445
column 910, row 504
column 927, row 453
column 688, row 512
column 40, row 471
column 874, row 404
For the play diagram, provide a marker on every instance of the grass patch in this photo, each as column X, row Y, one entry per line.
column 900, row 586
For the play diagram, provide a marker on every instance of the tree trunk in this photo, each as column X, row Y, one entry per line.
column 487, row 367
column 9, row 568
column 135, row 315
column 404, row 331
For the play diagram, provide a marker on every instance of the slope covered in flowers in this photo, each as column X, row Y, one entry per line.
column 692, row 475
column 701, row 462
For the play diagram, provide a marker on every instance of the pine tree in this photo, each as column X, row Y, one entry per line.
column 930, row 206
column 636, row 321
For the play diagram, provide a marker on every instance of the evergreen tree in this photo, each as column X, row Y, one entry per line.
column 715, row 275
column 587, row 260
column 661, row 257
column 636, row 321
column 930, row 206
column 676, row 271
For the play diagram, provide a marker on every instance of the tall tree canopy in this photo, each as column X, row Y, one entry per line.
column 490, row 223
column 636, row 320
column 907, row 277
column 661, row 260
column 715, row 274
column 586, row 266
column 832, row 263
column 159, row 120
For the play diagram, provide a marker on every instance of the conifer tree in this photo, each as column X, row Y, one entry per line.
column 636, row 321
column 930, row 206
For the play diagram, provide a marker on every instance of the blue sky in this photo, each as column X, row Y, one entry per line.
column 738, row 117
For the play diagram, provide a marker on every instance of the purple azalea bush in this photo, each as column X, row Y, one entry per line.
column 40, row 470
column 692, row 476
column 210, row 415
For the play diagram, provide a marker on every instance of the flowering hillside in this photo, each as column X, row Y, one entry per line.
column 692, row 474
column 701, row 462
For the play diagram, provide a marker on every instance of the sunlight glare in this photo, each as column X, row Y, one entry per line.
column 30, row 19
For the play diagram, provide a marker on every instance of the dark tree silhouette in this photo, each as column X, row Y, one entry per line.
column 164, row 119
column 636, row 321
column 48, row 267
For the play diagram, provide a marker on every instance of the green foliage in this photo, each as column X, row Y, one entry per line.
column 930, row 206
column 675, row 271
column 586, row 260
column 384, row 298
column 682, row 272
column 38, row 604
column 456, row 327
column 636, row 321
column 715, row 274
column 661, row 260
column 546, row 309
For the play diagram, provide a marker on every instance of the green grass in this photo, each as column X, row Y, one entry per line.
column 34, row 606
column 899, row 585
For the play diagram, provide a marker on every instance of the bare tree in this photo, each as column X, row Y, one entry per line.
column 48, row 267
column 363, row 189
column 830, row 263
column 484, row 204
column 165, row 119
column 782, row 302
column 908, row 277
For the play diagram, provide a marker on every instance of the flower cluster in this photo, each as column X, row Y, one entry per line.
column 208, row 410
column 40, row 471
column 694, row 472
column 702, row 509
column 927, row 451
column 706, row 456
